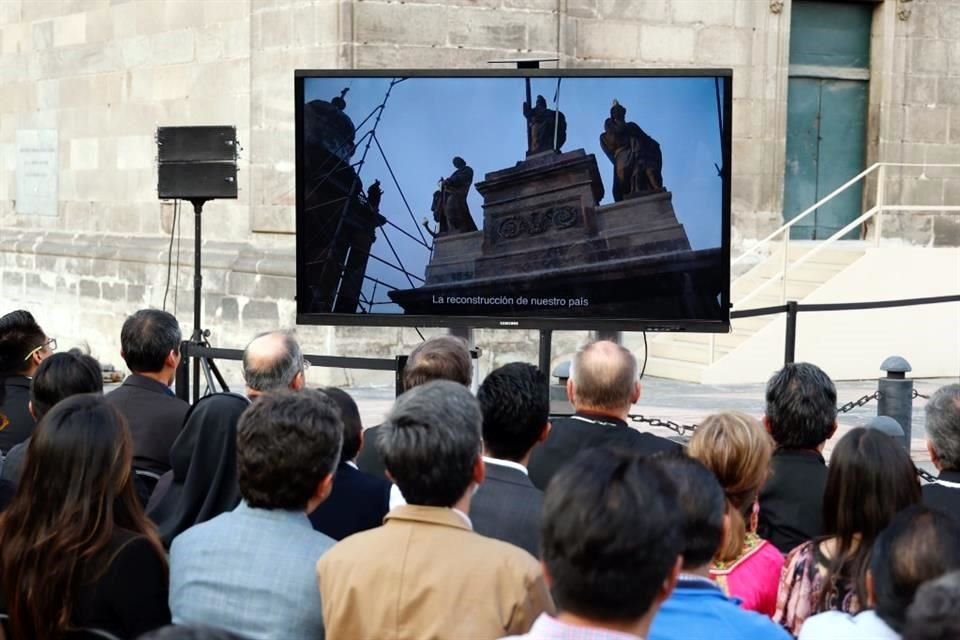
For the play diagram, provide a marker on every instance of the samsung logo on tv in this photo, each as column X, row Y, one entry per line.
column 509, row 323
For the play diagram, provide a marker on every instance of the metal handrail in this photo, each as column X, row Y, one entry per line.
column 876, row 211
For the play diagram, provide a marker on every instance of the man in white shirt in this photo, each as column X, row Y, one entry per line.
column 515, row 402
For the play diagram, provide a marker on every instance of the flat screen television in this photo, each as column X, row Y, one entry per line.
column 552, row 199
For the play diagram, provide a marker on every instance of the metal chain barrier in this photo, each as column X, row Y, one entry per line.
column 859, row 402
column 917, row 394
column 682, row 430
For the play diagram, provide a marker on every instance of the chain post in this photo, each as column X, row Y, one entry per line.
column 896, row 395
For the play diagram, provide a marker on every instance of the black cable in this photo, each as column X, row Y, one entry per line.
column 176, row 283
column 420, row 334
column 643, row 369
column 173, row 227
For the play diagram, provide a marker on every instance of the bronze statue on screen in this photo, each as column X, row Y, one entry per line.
column 637, row 161
column 546, row 128
column 374, row 195
column 449, row 206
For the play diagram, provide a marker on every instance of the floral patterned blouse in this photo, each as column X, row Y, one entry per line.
column 802, row 582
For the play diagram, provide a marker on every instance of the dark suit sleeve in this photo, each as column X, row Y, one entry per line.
column 139, row 583
column 369, row 460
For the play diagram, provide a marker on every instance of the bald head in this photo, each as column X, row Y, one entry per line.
column 603, row 378
column 273, row 361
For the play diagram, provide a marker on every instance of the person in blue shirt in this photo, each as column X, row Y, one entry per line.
column 697, row 609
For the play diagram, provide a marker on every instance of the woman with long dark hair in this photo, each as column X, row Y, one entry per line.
column 75, row 548
column 870, row 479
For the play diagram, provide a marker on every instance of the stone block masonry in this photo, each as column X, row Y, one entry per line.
column 106, row 74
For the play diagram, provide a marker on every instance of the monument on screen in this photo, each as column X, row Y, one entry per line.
column 545, row 238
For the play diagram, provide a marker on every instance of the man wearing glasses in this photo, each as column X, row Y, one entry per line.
column 23, row 346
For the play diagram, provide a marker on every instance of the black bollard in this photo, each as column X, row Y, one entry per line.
column 896, row 395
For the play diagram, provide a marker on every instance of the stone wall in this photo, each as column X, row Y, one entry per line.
column 105, row 73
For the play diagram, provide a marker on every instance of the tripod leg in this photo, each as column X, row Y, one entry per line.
column 216, row 372
column 211, row 386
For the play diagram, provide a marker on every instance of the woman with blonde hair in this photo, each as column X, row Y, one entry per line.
column 737, row 449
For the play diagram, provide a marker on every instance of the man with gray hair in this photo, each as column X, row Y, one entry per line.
column 273, row 361
column 602, row 388
column 943, row 443
column 425, row 573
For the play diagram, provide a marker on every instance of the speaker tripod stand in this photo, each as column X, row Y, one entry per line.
column 197, row 345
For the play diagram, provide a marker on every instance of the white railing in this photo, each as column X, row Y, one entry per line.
column 765, row 246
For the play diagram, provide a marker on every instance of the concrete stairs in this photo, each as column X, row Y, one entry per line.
column 686, row 356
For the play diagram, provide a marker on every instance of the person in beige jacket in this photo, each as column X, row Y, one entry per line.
column 425, row 574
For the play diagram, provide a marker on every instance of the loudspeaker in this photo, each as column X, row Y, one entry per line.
column 197, row 162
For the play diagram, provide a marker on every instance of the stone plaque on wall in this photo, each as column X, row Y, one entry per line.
column 38, row 169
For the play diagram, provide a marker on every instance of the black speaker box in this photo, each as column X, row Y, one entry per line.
column 206, row 180
column 196, row 144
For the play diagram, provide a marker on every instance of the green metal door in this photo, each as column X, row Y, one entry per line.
column 826, row 114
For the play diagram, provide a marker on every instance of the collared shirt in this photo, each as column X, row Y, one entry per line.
column 836, row 625
column 397, row 500
column 506, row 463
column 549, row 628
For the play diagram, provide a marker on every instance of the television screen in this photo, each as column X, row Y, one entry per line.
column 563, row 199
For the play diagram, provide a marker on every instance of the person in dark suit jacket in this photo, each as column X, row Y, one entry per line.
column 602, row 388
column 150, row 345
column 358, row 501
column 801, row 415
column 75, row 547
column 515, row 402
column 943, row 443
column 23, row 346
column 439, row 358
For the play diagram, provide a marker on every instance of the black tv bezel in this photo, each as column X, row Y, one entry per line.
column 523, row 322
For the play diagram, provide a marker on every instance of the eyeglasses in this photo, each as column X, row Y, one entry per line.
column 50, row 344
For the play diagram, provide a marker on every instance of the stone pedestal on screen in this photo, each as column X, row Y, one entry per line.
column 544, row 235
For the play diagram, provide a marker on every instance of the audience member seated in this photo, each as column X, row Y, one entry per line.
column 75, row 547
column 359, row 501
column 801, row 416
column 60, row 376
column 150, row 345
column 870, row 479
column 735, row 447
column 919, row 545
column 698, row 608
column 250, row 571
column 203, row 481
column 515, row 403
column 612, row 539
column 439, row 358
column 602, row 388
column 273, row 361
column 943, row 442
column 23, row 346
column 933, row 614
column 425, row 573
column 178, row 632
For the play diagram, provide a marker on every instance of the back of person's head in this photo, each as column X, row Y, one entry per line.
column 439, row 358
column 63, row 375
column 933, row 614
column 515, row 402
column 943, row 426
column 801, row 406
column 737, row 449
column 603, row 375
column 75, row 491
column 182, row 632
column 612, row 535
column 148, row 338
column 702, row 507
column 20, row 335
column 870, row 479
column 352, row 427
column 288, row 443
column 273, row 361
column 430, row 443
column 919, row 545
